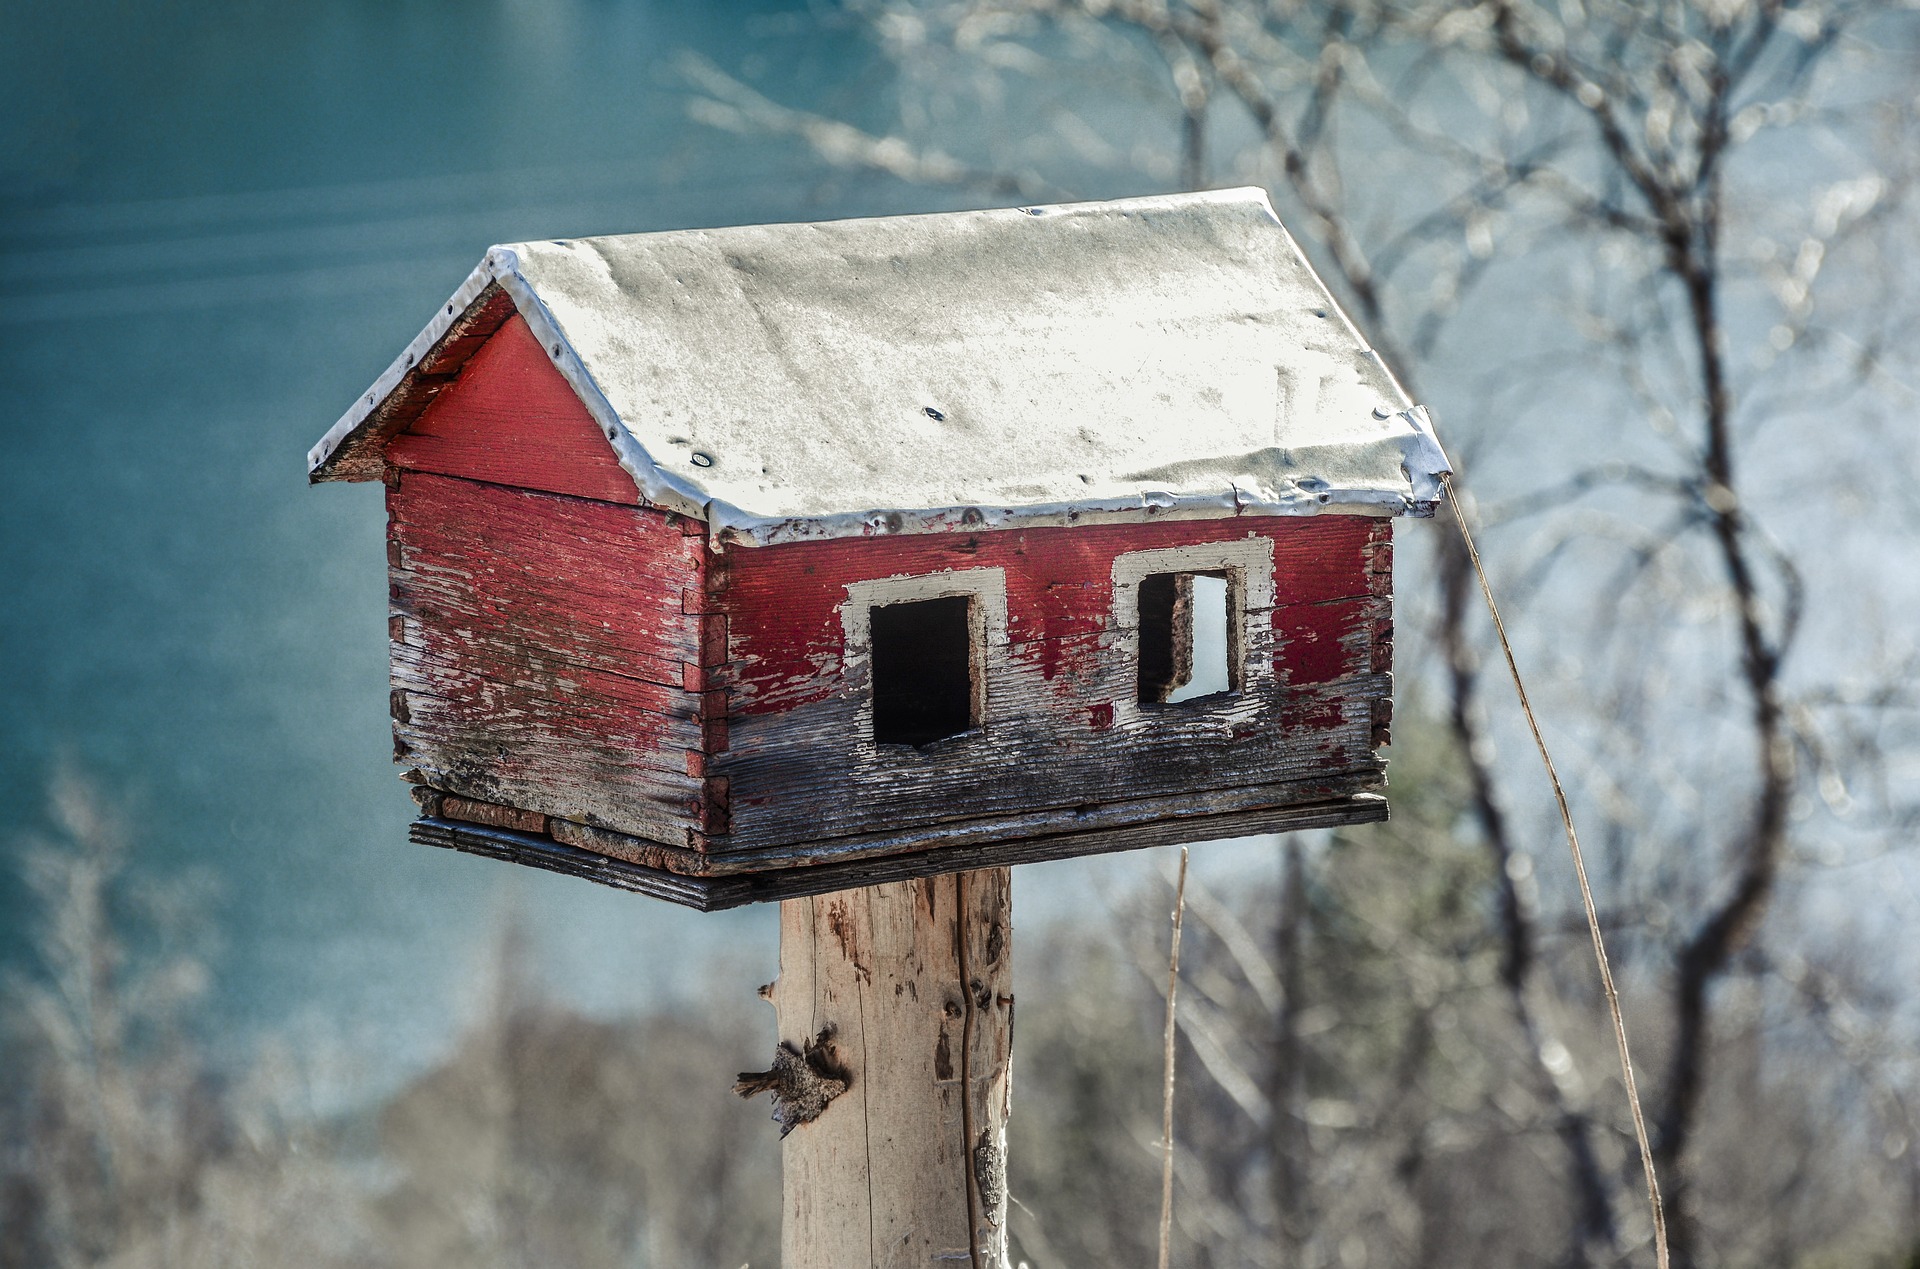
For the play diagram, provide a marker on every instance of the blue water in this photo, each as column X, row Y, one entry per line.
column 218, row 222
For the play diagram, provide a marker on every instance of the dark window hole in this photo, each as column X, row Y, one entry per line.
column 923, row 670
column 1184, row 641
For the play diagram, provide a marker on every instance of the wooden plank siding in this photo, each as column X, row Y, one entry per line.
column 801, row 768
column 541, row 655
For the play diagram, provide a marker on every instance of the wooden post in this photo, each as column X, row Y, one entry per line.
column 914, row 980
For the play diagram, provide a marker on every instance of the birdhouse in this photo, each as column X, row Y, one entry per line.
column 741, row 564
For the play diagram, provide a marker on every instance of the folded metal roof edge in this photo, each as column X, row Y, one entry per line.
column 729, row 523
column 329, row 459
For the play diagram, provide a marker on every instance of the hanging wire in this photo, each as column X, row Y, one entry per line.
column 1586, row 892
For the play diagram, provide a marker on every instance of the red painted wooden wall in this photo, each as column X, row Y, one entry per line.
column 562, row 648
column 546, row 639
column 798, row 766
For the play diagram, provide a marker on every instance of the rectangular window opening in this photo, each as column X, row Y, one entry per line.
column 923, row 670
column 1186, row 646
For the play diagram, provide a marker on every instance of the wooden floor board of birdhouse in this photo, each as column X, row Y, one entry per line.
column 1053, row 822
column 710, row 893
column 1048, row 822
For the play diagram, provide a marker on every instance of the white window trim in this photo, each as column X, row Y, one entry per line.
column 987, row 615
column 1248, row 565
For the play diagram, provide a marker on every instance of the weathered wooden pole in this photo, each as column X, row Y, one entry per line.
column 905, row 991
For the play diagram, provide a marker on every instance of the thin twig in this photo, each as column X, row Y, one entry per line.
column 1580, row 872
column 1166, row 1094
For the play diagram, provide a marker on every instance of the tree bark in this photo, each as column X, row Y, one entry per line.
column 914, row 981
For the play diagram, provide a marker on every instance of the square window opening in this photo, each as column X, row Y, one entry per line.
column 1187, row 639
column 924, row 670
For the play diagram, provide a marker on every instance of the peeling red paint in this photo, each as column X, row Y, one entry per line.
column 1314, row 644
column 782, row 602
column 536, row 646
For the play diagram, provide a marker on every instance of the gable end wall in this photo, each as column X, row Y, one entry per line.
column 511, row 419
column 546, row 628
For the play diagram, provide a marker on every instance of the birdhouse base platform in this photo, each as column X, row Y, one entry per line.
column 712, row 892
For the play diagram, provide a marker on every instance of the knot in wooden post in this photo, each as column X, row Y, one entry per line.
column 802, row 1081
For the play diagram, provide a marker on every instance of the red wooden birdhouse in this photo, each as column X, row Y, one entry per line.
column 747, row 563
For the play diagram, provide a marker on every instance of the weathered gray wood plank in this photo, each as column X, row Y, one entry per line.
column 808, row 774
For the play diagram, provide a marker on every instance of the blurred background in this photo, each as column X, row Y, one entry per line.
column 1653, row 266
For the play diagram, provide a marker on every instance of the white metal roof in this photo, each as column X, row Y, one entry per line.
column 1171, row 356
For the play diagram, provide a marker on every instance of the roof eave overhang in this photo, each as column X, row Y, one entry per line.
column 354, row 447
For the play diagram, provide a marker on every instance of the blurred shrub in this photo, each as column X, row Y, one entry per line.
column 1355, row 1089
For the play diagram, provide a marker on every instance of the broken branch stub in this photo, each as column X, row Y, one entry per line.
column 802, row 1083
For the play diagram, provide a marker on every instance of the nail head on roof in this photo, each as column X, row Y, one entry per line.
column 702, row 459
column 936, row 415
